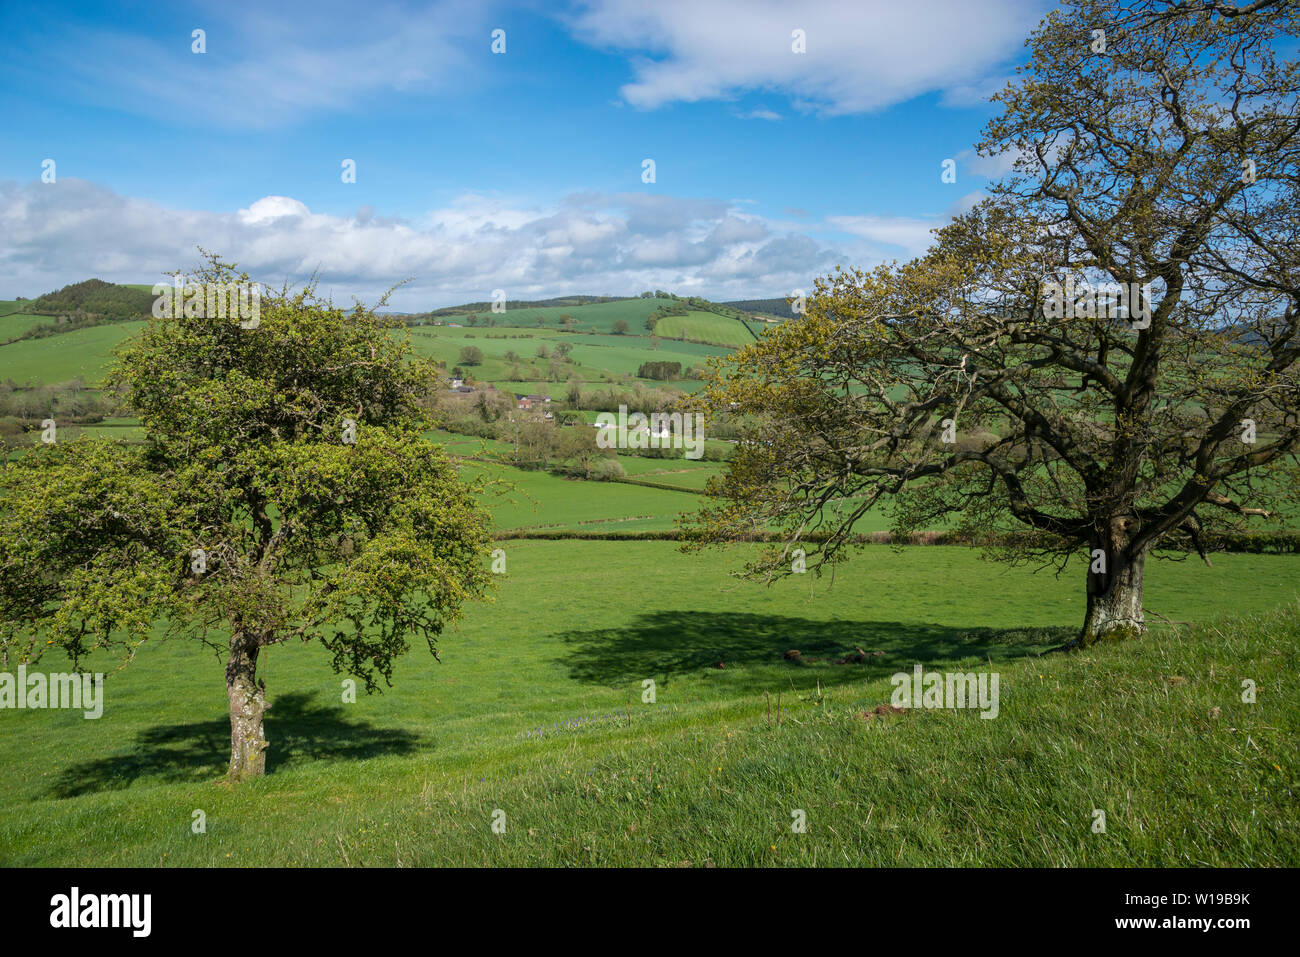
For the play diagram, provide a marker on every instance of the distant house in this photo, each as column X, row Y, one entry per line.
column 528, row 401
column 457, row 383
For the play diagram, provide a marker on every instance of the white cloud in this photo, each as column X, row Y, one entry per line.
column 908, row 234
column 53, row 234
column 272, row 66
column 621, row 243
column 270, row 208
column 977, row 93
column 860, row 56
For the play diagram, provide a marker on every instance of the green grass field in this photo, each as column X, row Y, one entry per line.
column 14, row 324
column 82, row 352
column 594, row 317
column 708, row 327
column 540, row 500
column 536, row 710
column 685, row 473
column 600, row 318
column 594, row 358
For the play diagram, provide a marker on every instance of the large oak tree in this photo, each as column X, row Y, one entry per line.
column 1160, row 155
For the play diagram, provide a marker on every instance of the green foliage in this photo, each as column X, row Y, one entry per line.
column 946, row 386
column 92, row 549
column 608, row 470
column 291, row 456
column 65, row 402
column 767, row 307
column 95, row 298
column 659, row 370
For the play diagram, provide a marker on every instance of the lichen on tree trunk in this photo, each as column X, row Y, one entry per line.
column 247, row 707
column 1115, row 595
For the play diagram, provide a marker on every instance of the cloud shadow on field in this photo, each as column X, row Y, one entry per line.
column 662, row 645
column 297, row 729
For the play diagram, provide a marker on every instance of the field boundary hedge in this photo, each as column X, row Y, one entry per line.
column 662, row 485
column 1265, row 543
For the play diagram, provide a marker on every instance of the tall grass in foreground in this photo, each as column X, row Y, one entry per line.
column 1152, row 732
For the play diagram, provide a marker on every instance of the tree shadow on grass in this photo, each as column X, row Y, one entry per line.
column 662, row 645
column 297, row 729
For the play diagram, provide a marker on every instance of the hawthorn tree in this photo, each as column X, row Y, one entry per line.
column 283, row 492
column 1102, row 354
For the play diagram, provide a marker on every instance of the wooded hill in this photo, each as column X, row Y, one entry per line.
column 105, row 301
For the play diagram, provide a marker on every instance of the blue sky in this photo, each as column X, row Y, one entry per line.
column 476, row 170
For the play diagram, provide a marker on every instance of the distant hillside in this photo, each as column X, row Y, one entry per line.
column 556, row 303
column 767, row 307
column 96, row 299
column 711, row 327
column 596, row 314
column 687, row 318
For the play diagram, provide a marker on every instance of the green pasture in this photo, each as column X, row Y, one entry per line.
column 83, row 352
column 537, row 711
column 595, row 317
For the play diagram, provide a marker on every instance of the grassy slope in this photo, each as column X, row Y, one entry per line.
column 83, row 352
column 593, row 356
column 541, row 500
column 14, row 324
column 536, row 711
column 708, row 327
column 413, row 775
column 599, row 317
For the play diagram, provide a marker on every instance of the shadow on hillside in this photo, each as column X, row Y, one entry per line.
column 661, row 645
column 298, row 730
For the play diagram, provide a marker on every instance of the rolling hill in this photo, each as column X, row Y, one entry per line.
column 109, row 302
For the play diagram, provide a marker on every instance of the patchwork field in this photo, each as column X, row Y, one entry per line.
column 594, row 358
column 593, row 317
column 536, row 709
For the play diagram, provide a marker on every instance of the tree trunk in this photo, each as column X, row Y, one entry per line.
column 247, row 705
column 1115, row 593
